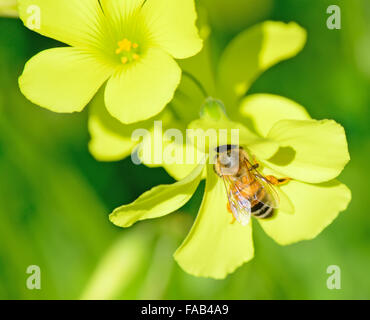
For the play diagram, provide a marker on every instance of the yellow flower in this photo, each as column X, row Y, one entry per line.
column 288, row 144
column 130, row 43
column 283, row 137
column 228, row 78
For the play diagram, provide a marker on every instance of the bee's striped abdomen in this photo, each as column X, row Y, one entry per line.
column 261, row 210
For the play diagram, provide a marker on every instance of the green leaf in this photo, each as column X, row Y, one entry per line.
column 310, row 150
column 254, row 51
column 215, row 247
column 159, row 201
column 316, row 206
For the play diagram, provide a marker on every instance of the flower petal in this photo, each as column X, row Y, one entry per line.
column 179, row 171
column 176, row 166
column 210, row 133
column 172, row 26
column 75, row 22
column 143, row 89
column 159, row 201
column 110, row 139
column 8, row 8
column 215, row 247
column 63, row 79
column 264, row 110
column 316, row 206
column 254, row 51
column 168, row 148
column 120, row 9
column 310, row 150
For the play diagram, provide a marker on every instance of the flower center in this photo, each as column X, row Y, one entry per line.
column 128, row 51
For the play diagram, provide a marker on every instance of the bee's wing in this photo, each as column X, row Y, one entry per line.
column 240, row 206
column 269, row 194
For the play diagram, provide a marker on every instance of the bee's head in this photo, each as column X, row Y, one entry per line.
column 226, row 148
column 227, row 159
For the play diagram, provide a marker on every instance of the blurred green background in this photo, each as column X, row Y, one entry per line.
column 55, row 198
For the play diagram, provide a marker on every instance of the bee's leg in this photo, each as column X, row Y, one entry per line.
column 275, row 181
column 256, row 164
column 229, row 209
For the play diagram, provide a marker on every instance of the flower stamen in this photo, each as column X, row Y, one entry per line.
column 124, row 45
column 128, row 51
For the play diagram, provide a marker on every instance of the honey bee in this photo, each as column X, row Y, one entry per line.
column 249, row 192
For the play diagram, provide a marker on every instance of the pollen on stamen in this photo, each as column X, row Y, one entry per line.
column 125, row 45
column 127, row 51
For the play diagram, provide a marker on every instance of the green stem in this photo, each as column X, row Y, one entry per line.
column 174, row 112
column 197, row 83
